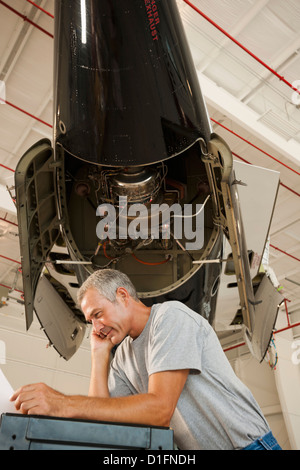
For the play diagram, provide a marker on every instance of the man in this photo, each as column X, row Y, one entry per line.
column 168, row 370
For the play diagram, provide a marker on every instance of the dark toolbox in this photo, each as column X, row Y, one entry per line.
column 23, row 432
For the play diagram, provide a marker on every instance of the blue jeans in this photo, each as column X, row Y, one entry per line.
column 266, row 442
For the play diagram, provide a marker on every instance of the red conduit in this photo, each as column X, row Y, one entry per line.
column 7, row 168
column 25, row 112
column 290, row 326
column 234, row 347
column 40, row 8
column 292, row 190
column 8, row 287
column 24, row 17
column 151, row 264
column 284, row 252
column 255, row 146
column 287, row 312
column 281, row 78
column 10, row 259
column 287, row 327
column 8, row 221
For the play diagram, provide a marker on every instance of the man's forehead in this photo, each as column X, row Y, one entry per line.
column 93, row 296
column 92, row 303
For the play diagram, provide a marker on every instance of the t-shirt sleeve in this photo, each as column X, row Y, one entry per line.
column 176, row 341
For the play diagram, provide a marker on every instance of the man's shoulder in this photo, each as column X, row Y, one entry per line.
column 172, row 309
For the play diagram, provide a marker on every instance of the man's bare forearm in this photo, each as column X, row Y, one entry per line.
column 135, row 409
column 99, row 374
column 154, row 408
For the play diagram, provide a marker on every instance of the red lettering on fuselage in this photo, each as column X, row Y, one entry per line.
column 153, row 17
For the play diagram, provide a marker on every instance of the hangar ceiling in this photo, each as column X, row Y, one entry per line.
column 248, row 84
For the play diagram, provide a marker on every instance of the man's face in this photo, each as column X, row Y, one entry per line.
column 109, row 319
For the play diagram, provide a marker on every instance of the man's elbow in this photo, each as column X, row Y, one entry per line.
column 165, row 421
column 163, row 414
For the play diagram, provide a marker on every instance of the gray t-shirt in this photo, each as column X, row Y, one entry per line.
column 215, row 409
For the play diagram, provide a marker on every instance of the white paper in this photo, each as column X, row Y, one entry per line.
column 6, row 391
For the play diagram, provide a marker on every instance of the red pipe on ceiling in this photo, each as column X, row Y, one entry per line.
column 25, row 18
column 281, row 77
column 40, row 8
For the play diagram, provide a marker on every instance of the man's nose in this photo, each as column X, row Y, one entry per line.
column 97, row 324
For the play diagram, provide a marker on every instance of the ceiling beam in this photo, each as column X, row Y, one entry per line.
column 234, row 109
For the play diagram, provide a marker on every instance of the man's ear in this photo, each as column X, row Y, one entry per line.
column 122, row 294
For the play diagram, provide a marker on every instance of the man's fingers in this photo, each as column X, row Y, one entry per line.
column 25, row 388
column 28, row 407
column 25, row 398
column 15, row 394
column 38, row 399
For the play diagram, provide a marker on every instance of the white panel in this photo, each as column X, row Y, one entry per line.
column 257, row 201
column 28, row 359
column 6, row 201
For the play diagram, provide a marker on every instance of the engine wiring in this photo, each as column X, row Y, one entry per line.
column 272, row 363
column 148, row 263
column 182, row 216
column 112, row 258
column 151, row 264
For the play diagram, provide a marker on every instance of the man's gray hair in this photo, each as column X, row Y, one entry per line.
column 107, row 281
